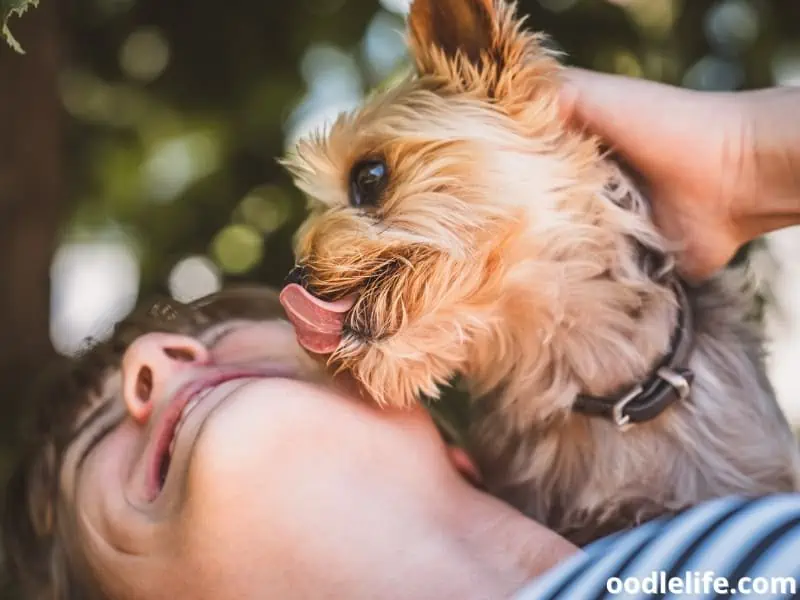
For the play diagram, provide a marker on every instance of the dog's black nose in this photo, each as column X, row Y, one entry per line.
column 297, row 275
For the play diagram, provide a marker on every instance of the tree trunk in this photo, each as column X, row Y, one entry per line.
column 31, row 204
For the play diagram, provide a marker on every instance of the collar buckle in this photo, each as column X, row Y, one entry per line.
column 679, row 382
column 676, row 380
column 622, row 420
column 669, row 382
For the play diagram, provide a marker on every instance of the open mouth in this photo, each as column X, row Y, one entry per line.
column 185, row 402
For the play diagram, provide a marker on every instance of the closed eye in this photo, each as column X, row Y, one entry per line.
column 98, row 437
column 100, row 415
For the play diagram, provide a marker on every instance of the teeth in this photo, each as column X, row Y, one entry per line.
column 190, row 407
column 185, row 413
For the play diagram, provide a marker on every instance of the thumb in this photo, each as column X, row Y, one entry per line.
column 631, row 115
column 609, row 103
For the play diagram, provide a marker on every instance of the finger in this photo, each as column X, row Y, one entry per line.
column 642, row 120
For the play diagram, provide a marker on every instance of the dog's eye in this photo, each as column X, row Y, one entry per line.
column 368, row 182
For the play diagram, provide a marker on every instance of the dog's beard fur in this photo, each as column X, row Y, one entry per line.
column 508, row 249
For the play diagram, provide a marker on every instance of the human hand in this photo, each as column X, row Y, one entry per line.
column 692, row 148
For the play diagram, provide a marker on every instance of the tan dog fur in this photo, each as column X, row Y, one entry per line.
column 508, row 249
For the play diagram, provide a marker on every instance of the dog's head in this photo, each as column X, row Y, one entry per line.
column 439, row 198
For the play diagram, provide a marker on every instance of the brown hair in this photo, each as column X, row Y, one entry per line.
column 34, row 531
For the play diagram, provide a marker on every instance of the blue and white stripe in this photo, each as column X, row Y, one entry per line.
column 733, row 537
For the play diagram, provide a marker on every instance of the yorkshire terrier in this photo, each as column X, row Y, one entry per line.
column 459, row 227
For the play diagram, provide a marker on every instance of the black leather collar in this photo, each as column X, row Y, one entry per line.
column 669, row 382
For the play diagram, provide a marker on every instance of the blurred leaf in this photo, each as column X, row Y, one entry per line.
column 13, row 7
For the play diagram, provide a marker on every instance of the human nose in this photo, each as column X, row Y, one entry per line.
column 151, row 363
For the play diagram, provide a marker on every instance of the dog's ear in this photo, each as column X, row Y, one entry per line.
column 449, row 28
column 479, row 45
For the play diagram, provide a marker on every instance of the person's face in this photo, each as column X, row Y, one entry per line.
column 227, row 466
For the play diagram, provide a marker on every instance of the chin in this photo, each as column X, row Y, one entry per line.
column 257, row 430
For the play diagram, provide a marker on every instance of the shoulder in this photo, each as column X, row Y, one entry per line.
column 734, row 543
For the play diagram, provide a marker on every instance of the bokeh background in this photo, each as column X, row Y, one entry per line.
column 138, row 143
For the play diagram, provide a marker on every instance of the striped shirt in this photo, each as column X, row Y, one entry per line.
column 747, row 548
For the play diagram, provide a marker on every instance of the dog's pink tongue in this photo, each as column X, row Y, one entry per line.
column 318, row 323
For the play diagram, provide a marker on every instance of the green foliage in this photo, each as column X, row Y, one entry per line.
column 9, row 8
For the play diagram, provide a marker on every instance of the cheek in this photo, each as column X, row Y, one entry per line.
column 104, row 538
column 109, row 463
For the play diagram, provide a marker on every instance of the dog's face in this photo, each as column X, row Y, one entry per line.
column 438, row 198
